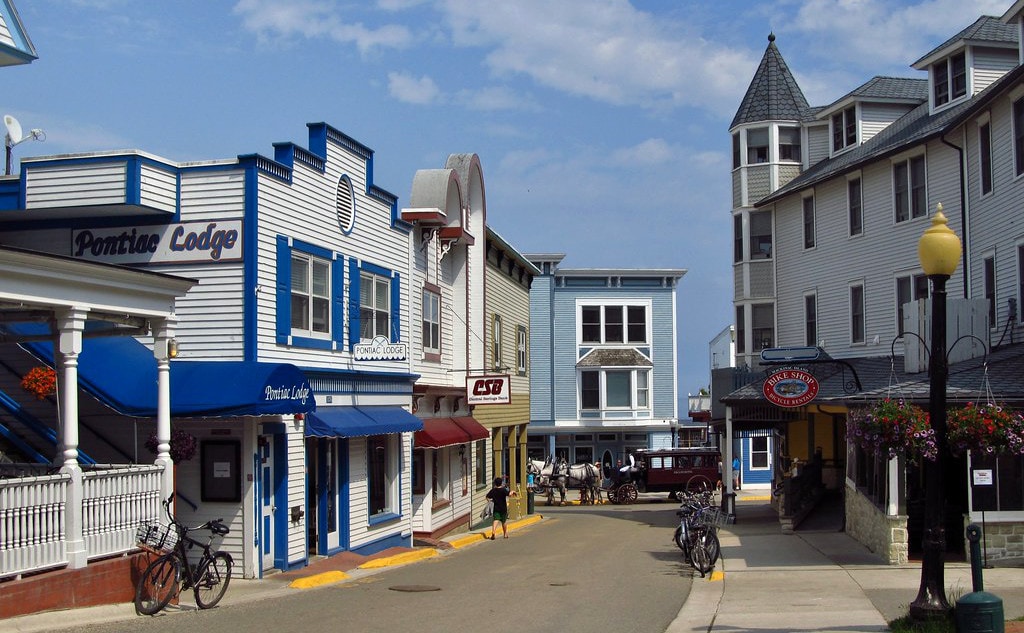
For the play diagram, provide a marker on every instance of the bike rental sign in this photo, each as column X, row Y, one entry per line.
column 790, row 387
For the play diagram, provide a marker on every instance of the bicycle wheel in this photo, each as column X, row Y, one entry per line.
column 677, row 538
column 157, row 585
column 714, row 546
column 212, row 578
column 700, row 555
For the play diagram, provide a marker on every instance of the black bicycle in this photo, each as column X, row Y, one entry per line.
column 697, row 533
column 208, row 575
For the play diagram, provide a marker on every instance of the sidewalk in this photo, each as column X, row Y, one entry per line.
column 820, row 580
column 816, row 580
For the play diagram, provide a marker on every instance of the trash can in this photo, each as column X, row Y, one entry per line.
column 980, row 612
column 529, row 502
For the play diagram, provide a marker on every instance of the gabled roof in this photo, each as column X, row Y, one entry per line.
column 773, row 94
column 882, row 89
column 913, row 128
column 15, row 46
column 986, row 30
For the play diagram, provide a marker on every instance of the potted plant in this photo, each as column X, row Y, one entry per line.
column 893, row 427
column 183, row 445
column 40, row 382
column 985, row 428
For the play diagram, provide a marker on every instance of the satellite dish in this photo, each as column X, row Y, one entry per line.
column 14, row 134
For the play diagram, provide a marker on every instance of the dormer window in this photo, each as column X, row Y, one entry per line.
column 950, row 79
column 844, row 129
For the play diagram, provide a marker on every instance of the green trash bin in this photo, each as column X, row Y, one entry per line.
column 980, row 612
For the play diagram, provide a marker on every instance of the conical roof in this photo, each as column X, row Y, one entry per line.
column 773, row 93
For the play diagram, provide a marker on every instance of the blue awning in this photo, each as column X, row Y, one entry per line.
column 360, row 421
column 120, row 372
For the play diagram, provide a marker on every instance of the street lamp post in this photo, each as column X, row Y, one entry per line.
column 939, row 251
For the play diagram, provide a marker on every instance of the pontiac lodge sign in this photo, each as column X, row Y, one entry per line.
column 790, row 387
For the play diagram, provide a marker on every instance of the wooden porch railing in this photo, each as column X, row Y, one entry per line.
column 34, row 513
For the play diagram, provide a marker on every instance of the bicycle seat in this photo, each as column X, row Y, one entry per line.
column 218, row 527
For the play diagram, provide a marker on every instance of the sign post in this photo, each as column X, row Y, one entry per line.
column 983, row 477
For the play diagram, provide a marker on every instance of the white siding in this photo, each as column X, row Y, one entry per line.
column 875, row 117
column 817, row 144
column 158, row 188
column 76, row 185
column 989, row 64
column 871, row 259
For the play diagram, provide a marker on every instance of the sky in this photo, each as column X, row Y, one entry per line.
column 601, row 125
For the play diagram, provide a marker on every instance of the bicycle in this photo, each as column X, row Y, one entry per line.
column 697, row 533
column 172, row 572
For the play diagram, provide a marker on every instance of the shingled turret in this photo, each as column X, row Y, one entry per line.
column 773, row 93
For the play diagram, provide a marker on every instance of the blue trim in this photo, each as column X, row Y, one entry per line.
column 338, row 302
column 396, row 305
column 283, row 309
column 393, row 540
column 383, row 518
column 296, row 564
column 375, row 269
column 344, row 496
column 133, row 180
column 280, row 477
column 250, row 262
column 312, row 249
column 311, row 343
column 353, row 303
column 321, row 496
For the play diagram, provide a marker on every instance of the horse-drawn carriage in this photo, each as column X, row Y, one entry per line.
column 670, row 470
column 558, row 475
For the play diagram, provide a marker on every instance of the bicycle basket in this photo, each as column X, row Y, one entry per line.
column 715, row 516
column 156, row 536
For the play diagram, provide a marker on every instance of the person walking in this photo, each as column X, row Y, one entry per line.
column 498, row 495
column 735, row 473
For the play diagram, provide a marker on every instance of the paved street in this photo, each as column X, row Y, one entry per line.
column 605, row 568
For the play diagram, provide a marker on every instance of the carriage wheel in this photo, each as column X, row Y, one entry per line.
column 613, row 495
column 699, row 483
column 627, row 493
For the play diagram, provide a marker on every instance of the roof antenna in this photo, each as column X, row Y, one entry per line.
column 14, row 137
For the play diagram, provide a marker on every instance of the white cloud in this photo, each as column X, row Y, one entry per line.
column 606, row 51
column 654, row 151
column 271, row 19
column 405, row 87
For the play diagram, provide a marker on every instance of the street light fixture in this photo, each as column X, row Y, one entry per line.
column 939, row 251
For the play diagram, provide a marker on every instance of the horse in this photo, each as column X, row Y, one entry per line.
column 585, row 476
column 546, row 478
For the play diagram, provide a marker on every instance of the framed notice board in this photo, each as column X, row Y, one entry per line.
column 221, row 470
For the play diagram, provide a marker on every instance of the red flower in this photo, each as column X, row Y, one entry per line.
column 40, row 382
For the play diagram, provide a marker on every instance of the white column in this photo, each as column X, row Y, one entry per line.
column 70, row 325
column 163, row 330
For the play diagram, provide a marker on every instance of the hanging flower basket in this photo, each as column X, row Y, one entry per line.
column 40, row 382
column 986, row 429
column 183, row 445
column 890, row 428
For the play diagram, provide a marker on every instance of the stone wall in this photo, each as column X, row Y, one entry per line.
column 1000, row 540
column 868, row 525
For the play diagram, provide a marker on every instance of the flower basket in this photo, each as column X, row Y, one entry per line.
column 183, row 445
column 40, row 382
column 891, row 428
column 986, row 429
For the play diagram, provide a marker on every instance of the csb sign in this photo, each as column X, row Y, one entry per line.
column 489, row 389
column 790, row 388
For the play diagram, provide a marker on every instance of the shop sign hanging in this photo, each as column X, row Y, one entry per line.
column 790, row 387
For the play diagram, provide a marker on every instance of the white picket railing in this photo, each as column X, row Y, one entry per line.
column 115, row 502
column 34, row 511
